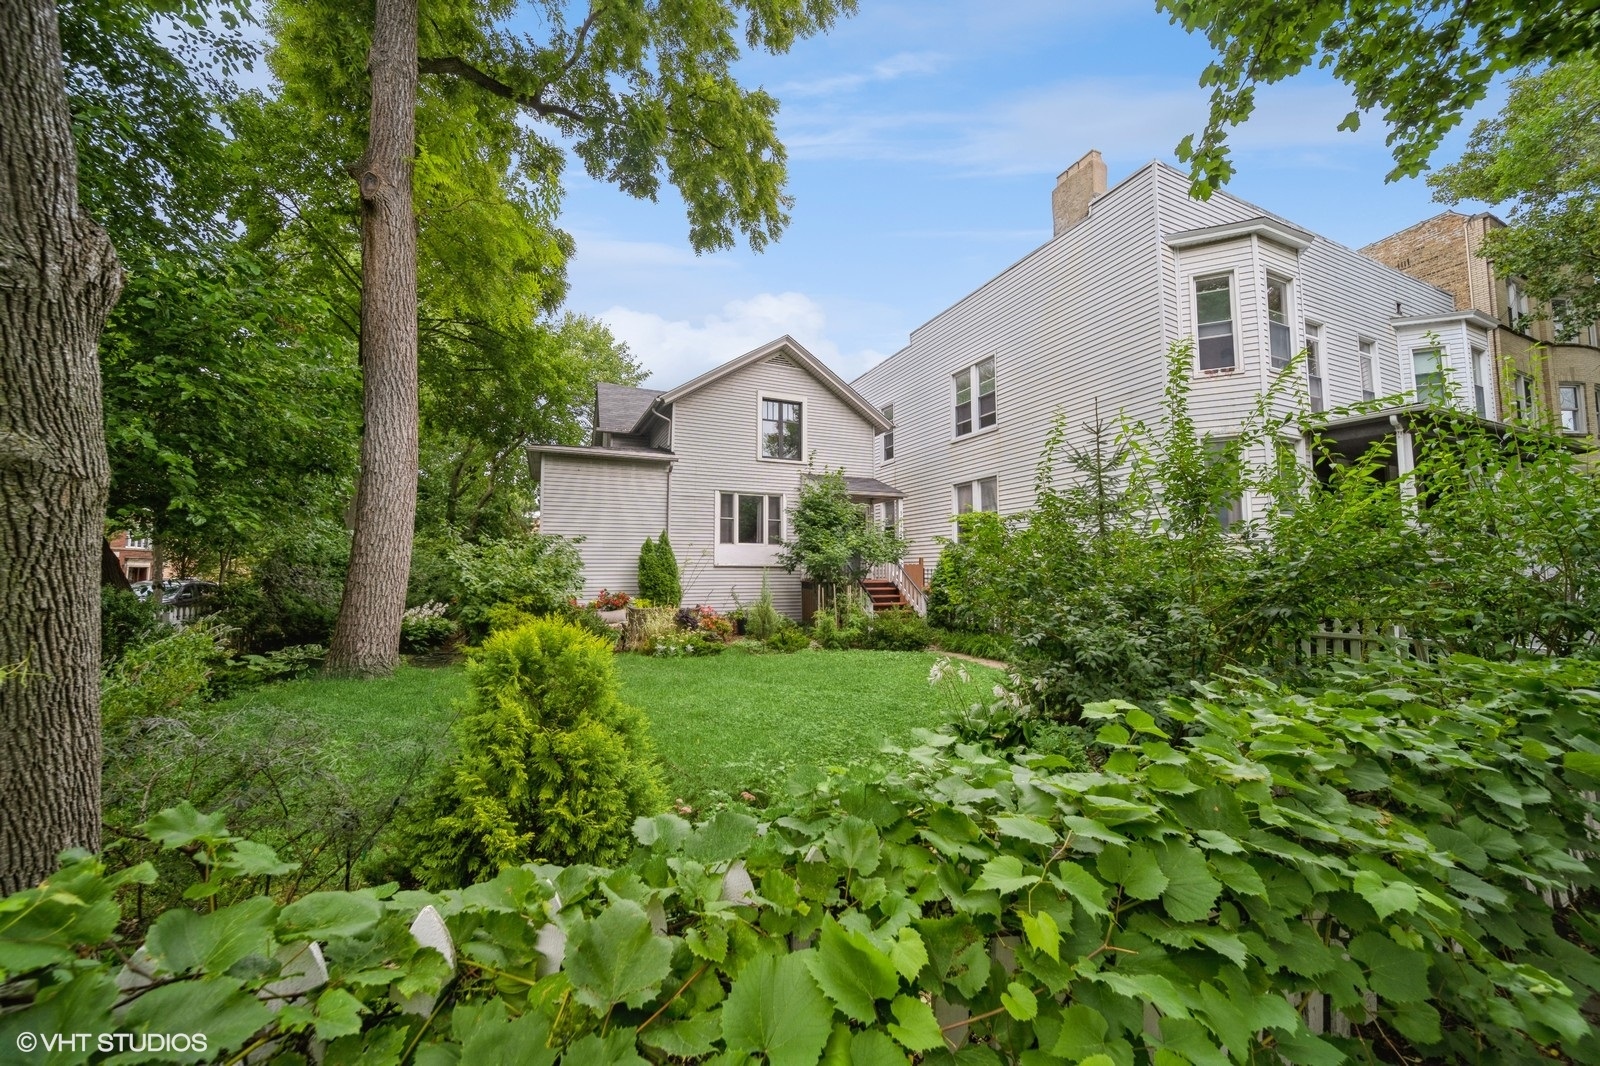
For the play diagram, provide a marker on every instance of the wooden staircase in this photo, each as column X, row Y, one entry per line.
column 884, row 595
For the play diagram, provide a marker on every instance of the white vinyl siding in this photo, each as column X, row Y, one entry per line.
column 613, row 505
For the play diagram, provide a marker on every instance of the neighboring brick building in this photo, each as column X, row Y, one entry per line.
column 1536, row 376
column 135, row 555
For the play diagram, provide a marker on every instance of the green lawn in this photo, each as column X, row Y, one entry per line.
column 721, row 724
column 369, row 725
column 738, row 721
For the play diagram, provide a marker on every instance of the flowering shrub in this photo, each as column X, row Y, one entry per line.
column 424, row 627
column 610, row 601
column 706, row 620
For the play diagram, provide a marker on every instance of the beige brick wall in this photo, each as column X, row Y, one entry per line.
column 1436, row 251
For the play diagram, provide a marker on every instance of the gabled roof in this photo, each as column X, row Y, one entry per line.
column 804, row 359
column 618, row 408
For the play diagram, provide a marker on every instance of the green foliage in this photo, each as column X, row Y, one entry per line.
column 291, row 594
column 1390, row 836
column 962, row 594
column 901, row 629
column 552, row 765
column 1423, row 67
column 160, row 678
column 835, row 542
column 1541, row 154
column 762, row 620
column 978, row 645
column 126, row 622
column 424, row 628
column 658, row 573
column 535, row 574
column 788, row 638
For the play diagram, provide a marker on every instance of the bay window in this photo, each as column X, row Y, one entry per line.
column 1280, row 339
column 1427, row 365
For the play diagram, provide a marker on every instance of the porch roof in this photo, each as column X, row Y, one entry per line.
column 872, row 487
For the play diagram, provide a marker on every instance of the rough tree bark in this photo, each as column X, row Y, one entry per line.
column 366, row 638
column 58, row 280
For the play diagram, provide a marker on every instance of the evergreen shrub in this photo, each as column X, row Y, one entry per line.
column 658, row 573
column 553, row 766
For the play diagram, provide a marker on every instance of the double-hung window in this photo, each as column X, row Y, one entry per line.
column 138, row 543
column 1279, row 337
column 1314, row 366
column 1369, row 373
column 888, row 437
column 975, row 382
column 780, row 430
column 1570, row 399
column 1480, row 375
column 749, row 518
column 1213, row 315
column 980, row 495
column 1427, row 364
column 1522, row 395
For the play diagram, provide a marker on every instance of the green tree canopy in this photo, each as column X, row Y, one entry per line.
column 1541, row 156
column 1421, row 65
column 834, row 540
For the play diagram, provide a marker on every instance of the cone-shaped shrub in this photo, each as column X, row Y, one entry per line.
column 553, row 766
column 658, row 573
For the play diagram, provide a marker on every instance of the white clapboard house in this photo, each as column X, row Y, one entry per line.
column 1082, row 325
column 956, row 420
column 717, row 463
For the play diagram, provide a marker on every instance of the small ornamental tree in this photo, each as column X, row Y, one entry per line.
column 553, row 766
column 835, row 543
column 658, row 573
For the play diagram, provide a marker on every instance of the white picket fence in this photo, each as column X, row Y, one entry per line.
column 1339, row 639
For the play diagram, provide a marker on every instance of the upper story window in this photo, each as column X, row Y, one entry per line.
column 748, row 518
column 1427, row 364
column 888, row 437
column 1213, row 316
column 1480, row 377
column 980, row 495
column 1570, row 399
column 137, row 542
column 1280, row 339
column 1314, row 366
column 780, row 429
column 1516, row 304
column 1369, row 370
column 975, row 381
column 1522, row 395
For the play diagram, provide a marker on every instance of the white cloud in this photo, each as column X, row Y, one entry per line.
column 677, row 350
column 1040, row 131
column 897, row 66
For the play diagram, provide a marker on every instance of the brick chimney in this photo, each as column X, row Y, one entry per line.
column 1076, row 189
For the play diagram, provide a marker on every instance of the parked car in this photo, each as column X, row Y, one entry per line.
column 188, row 592
column 143, row 589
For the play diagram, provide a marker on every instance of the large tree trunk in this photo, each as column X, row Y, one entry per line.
column 58, row 280
column 366, row 639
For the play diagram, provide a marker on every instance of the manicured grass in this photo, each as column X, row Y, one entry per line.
column 722, row 724
column 367, row 724
column 733, row 722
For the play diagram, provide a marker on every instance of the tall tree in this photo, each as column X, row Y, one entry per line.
column 1422, row 65
column 640, row 92
column 58, row 280
column 1541, row 155
column 366, row 638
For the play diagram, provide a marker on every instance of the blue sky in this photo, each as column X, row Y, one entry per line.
column 924, row 138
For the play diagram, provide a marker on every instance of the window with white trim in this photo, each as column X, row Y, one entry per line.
column 1480, row 377
column 975, row 381
column 1570, row 398
column 780, row 430
column 888, row 436
column 1213, row 316
column 1314, row 366
column 1230, row 513
column 1427, row 368
column 980, row 495
column 1522, row 395
column 749, row 518
column 1280, row 339
column 137, row 543
column 1369, row 370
